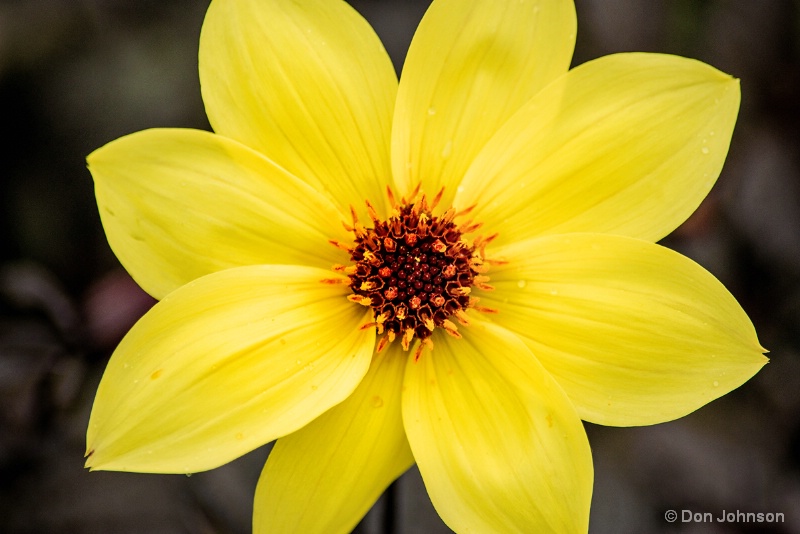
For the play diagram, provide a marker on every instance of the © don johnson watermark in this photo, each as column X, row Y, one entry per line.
column 725, row 516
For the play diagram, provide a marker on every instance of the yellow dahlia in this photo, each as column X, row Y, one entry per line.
column 451, row 270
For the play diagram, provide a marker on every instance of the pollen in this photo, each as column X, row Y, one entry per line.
column 416, row 270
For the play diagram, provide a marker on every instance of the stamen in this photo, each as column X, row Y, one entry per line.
column 390, row 194
column 408, row 335
column 462, row 317
column 342, row 246
column 372, row 213
column 358, row 299
column 425, row 343
column 465, row 211
column 451, row 329
column 345, row 269
column 437, row 198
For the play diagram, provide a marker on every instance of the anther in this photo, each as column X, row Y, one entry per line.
column 425, row 343
column 451, row 329
column 437, row 198
column 462, row 317
column 408, row 335
column 382, row 342
column 372, row 213
column 390, row 194
column 358, row 299
column 345, row 269
column 335, row 281
column 342, row 246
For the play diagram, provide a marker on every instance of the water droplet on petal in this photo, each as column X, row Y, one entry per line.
column 431, row 111
column 521, row 284
column 704, row 150
column 716, row 383
column 377, row 401
column 447, row 150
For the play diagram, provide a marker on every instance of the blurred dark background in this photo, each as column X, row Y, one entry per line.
column 77, row 74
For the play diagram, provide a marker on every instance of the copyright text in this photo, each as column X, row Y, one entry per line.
column 726, row 516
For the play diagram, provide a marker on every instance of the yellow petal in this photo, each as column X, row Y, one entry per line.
column 306, row 83
column 470, row 66
column 635, row 333
column 627, row 144
column 178, row 204
column 326, row 476
column 499, row 445
column 225, row 364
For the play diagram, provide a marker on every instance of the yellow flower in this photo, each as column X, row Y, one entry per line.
column 559, row 308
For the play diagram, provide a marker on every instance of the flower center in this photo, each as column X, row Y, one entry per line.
column 415, row 270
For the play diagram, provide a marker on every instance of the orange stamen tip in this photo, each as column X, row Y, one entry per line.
column 491, row 237
column 344, row 269
column 333, row 281
column 340, row 245
column 465, row 211
column 485, row 309
column 437, row 198
column 451, row 328
column 426, row 343
column 382, row 343
column 358, row 299
column 462, row 317
column 408, row 335
column 470, row 227
column 390, row 194
column 373, row 214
